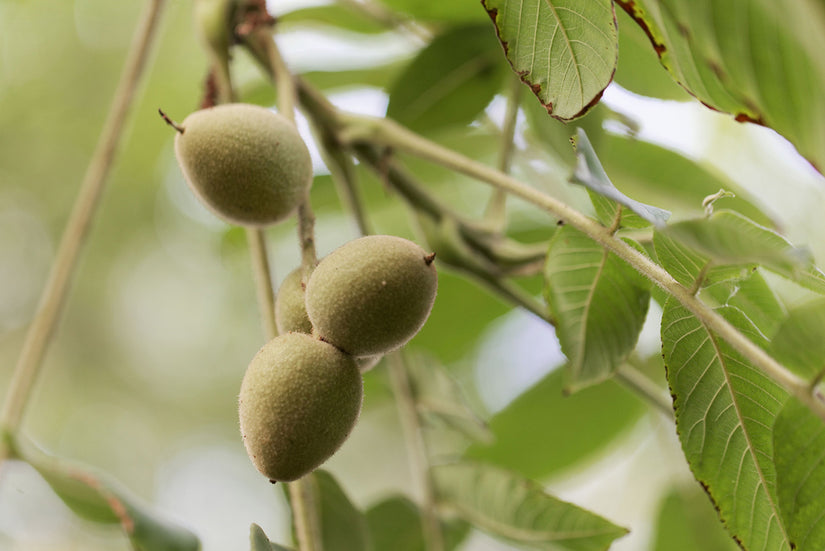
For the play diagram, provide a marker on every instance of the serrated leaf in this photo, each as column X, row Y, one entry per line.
column 759, row 61
column 799, row 441
column 727, row 237
column 566, row 50
column 799, row 342
column 259, row 541
column 450, row 81
column 395, row 524
column 343, row 525
column 590, row 173
column 598, row 302
column 687, row 522
column 440, row 398
column 686, row 265
column 530, row 439
column 725, row 409
column 95, row 496
column 517, row 509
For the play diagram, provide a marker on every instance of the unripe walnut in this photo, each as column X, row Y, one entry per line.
column 248, row 164
column 290, row 309
column 371, row 295
column 299, row 400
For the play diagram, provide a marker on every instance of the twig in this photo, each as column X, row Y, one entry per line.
column 637, row 382
column 74, row 236
column 496, row 210
column 263, row 280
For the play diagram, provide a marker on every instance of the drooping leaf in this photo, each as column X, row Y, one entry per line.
column 599, row 304
column 566, row 50
column 590, row 173
column 659, row 176
column 450, row 81
column 259, row 541
column 530, row 439
column 517, row 509
column 725, row 409
column 639, row 69
column 343, row 525
column 395, row 523
column 799, row 441
column 727, row 237
column 97, row 497
column 799, row 342
column 687, row 522
column 440, row 399
column 759, row 61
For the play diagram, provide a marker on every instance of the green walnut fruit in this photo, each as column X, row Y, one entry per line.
column 290, row 310
column 299, row 400
column 371, row 295
column 248, row 164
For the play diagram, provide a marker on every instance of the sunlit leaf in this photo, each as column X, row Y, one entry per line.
column 395, row 523
column 259, row 541
column 529, row 438
column 727, row 237
column 687, row 522
column 566, row 50
column 97, row 497
column 599, row 304
column 590, row 173
column 759, row 61
column 686, row 265
column 725, row 409
column 799, row 441
column 517, row 509
column 799, row 343
column 450, row 81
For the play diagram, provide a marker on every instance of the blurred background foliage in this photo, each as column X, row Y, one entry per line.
column 142, row 378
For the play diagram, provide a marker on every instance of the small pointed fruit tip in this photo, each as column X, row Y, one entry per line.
column 429, row 259
column 170, row 122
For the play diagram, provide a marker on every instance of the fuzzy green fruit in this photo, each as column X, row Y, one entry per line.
column 246, row 163
column 299, row 400
column 371, row 295
column 290, row 310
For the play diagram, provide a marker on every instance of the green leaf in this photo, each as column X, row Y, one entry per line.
column 566, row 50
column 343, row 526
column 754, row 297
column 590, row 173
column 439, row 10
column 517, row 509
column 599, row 304
column 259, row 541
column 799, row 342
column 439, row 398
column 725, row 409
column 530, row 439
column 687, row 522
column 686, row 265
column 727, row 237
column 556, row 136
column 660, row 176
column 395, row 523
column 759, row 61
column 799, row 441
column 450, row 81
column 95, row 496
column 639, row 69
column 340, row 15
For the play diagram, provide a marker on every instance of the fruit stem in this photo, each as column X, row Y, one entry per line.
column 170, row 122
column 416, row 449
column 263, row 280
column 53, row 297
column 496, row 211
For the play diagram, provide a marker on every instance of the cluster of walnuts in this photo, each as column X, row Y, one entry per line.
column 302, row 392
